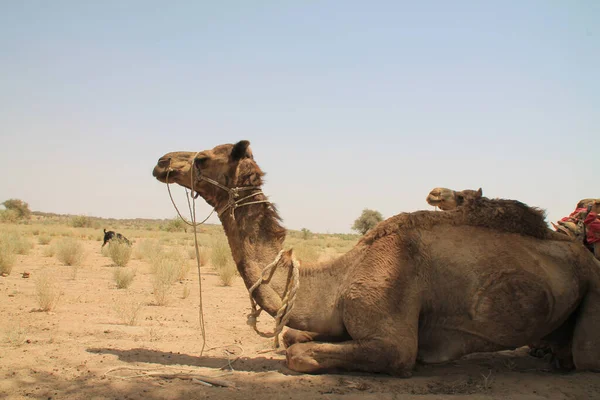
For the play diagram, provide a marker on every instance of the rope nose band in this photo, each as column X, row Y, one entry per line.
column 234, row 201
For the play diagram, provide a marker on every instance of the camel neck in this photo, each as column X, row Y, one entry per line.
column 256, row 238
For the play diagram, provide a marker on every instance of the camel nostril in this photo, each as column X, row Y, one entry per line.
column 164, row 162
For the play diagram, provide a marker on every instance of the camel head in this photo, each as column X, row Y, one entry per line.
column 448, row 199
column 228, row 165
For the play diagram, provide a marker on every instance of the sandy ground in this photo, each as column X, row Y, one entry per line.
column 82, row 350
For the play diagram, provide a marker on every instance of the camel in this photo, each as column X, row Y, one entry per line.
column 423, row 286
column 448, row 199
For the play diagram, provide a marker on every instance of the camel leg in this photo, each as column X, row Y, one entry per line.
column 586, row 342
column 370, row 355
column 293, row 336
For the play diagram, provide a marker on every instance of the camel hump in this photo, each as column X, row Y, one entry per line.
column 507, row 215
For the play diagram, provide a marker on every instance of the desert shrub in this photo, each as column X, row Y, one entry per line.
column 47, row 291
column 123, row 277
column 18, row 207
column 128, row 310
column 9, row 216
column 44, row 239
column 119, row 252
column 7, row 257
column 220, row 253
column 175, row 225
column 81, row 221
column 191, row 252
column 227, row 273
column 166, row 267
column 147, row 249
column 69, row 251
column 222, row 262
column 306, row 233
column 204, row 255
column 49, row 251
column 23, row 245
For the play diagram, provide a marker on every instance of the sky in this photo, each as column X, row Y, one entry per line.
column 347, row 104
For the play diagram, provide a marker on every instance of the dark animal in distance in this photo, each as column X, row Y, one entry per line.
column 110, row 235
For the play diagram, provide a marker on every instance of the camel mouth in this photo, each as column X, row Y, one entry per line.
column 434, row 201
column 161, row 174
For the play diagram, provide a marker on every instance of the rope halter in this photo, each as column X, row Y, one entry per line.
column 234, row 202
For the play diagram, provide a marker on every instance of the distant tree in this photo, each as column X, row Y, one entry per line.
column 306, row 233
column 367, row 220
column 18, row 207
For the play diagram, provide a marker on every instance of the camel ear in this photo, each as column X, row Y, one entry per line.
column 479, row 192
column 240, row 150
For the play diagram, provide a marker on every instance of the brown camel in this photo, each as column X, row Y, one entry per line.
column 426, row 285
column 448, row 199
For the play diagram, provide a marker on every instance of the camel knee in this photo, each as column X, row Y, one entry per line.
column 293, row 336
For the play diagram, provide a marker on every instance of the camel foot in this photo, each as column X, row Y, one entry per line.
column 352, row 355
column 293, row 336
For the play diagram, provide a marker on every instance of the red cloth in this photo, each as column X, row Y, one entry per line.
column 592, row 224
column 573, row 215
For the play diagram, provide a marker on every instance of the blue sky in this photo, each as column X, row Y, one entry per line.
column 348, row 104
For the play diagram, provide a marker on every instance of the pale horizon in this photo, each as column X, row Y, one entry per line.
column 347, row 105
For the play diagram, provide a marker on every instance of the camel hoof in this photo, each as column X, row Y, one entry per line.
column 299, row 361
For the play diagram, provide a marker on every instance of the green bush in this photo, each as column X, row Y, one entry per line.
column 18, row 207
column 367, row 220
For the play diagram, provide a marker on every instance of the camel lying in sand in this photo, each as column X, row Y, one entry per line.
column 573, row 226
column 426, row 286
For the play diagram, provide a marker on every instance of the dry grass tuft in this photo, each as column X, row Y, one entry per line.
column 44, row 239
column 147, row 249
column 70, row 251
column 49, row 251
column 16, row 243
column 47, row 291
column 186, row 291
column 119, row 252
column 222, row 262
column 123, row 277
column 15, row 335
column 167, row 268
column 128, row 310
column 7, row 257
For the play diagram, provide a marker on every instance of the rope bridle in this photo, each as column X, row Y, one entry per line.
column 233, row 203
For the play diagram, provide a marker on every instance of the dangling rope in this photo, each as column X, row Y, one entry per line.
column 192, row 208
column 289, row 295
